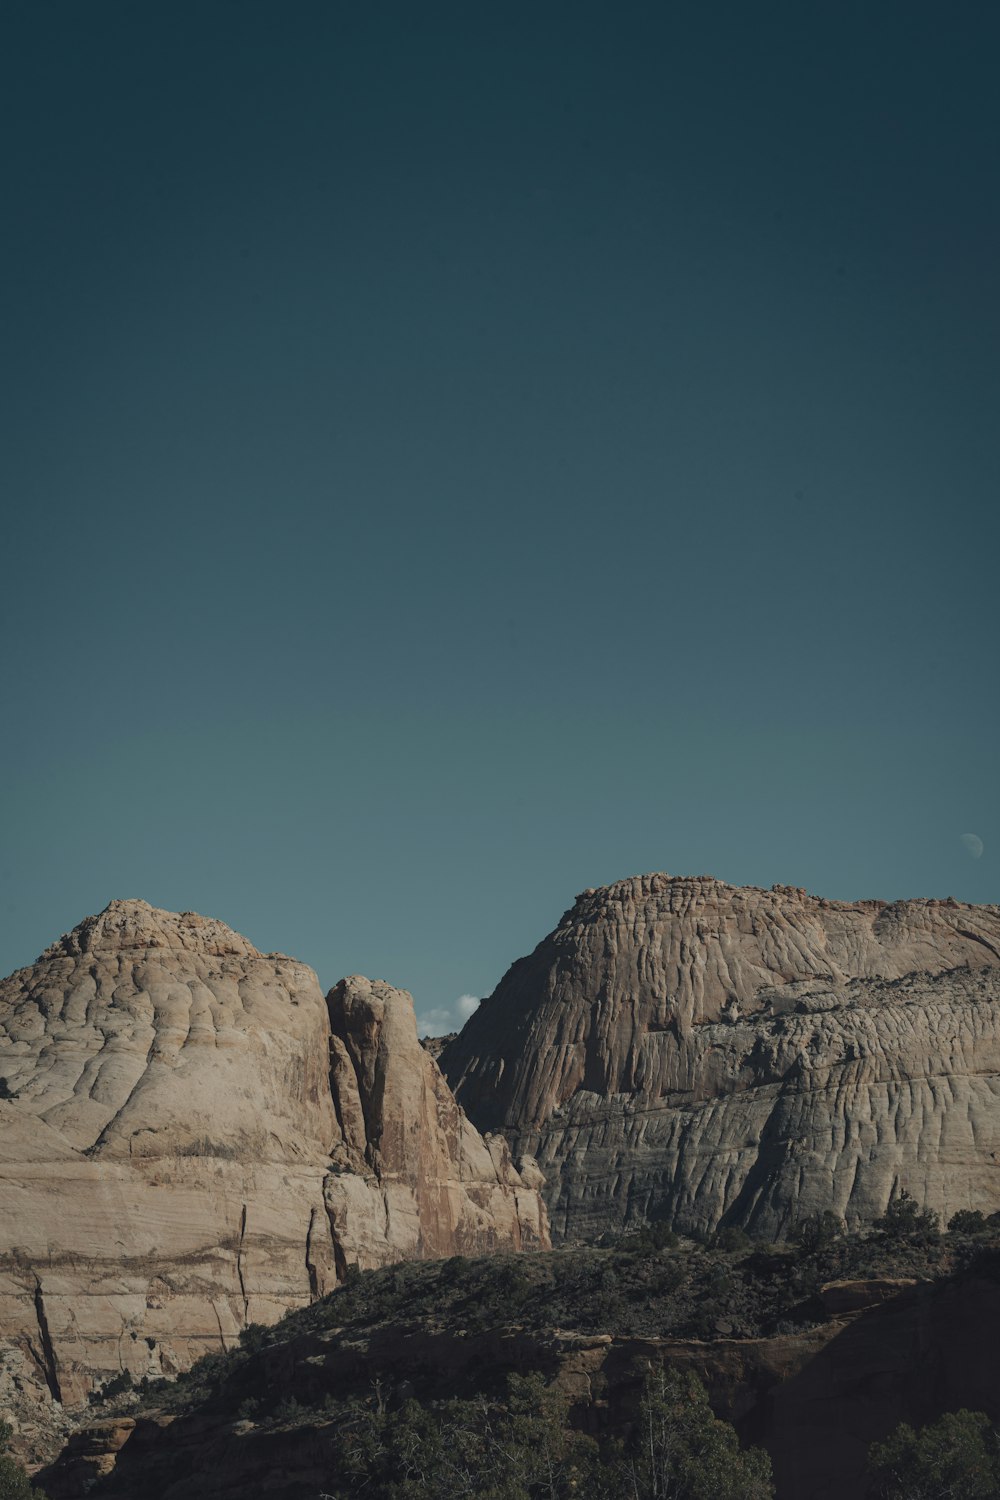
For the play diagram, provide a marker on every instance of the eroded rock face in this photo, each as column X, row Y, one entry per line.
column 435, row 1184
column 186, row 1147
column 689, row 1049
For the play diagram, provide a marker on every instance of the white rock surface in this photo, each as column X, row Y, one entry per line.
column 683, row 1048
column 180, row 1134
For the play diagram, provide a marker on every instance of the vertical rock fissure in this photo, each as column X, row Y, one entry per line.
column 239, row 1266
column 45, row 1339
column 310, row 1263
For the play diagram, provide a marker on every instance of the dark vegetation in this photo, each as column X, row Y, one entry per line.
column 509, row 1436
column 14, row 1482
column 955, row 1458
column 520, row 1447
column 647, row 1284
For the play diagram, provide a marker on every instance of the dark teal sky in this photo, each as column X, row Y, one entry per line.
column 457, row 454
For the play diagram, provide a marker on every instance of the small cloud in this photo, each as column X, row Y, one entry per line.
column 466, row 1006
column 435, row 1022
column 443, row 1019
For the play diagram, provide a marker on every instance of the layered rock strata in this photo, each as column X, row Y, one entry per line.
column 192, row 1138
column 687, row 1049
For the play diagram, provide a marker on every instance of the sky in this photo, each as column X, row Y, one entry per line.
column 455, row 455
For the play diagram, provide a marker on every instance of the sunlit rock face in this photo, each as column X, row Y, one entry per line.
column 192, row 1139
column 687, row 1049
column 423, row 1182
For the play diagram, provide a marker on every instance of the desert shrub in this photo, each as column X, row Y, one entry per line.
column 650, row 1239
column 817, row 1231
column 456, row 1267
column 14, row 1482
column 983, row 1260
column 732, row 1239
column 289, row 1410
column 968, row 1221
column 955, row 1458
column 118, row 1385
column 905, row 1220
column 254, row 1337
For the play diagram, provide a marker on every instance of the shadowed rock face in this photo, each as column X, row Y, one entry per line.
column 680, row 1047
column 192, row 1139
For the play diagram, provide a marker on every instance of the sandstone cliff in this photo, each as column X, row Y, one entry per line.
column 683, row 1048
column 193, row 1139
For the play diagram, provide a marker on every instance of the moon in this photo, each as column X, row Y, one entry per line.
column 973, row 844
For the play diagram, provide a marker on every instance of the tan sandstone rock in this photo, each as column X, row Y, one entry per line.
column 684, row 1048
column 187, row 1147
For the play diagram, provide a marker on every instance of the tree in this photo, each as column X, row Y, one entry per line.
column 903, row 1220
column 680, row 1451
column 955, row 1458
column 14, row 1482
column 968, row 1221
column 817, row 1230
column 519, row 1448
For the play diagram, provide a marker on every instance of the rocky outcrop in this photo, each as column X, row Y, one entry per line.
column 687, row 1049
column 416, row 1168
column 192, row 1139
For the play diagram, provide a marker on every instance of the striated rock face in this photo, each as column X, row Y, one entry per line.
column 690, row 1049
column 193, row 1139
column 417, row 1170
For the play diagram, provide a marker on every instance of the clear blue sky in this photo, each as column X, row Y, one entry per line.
column 457, row 454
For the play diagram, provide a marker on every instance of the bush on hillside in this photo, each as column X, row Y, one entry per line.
column 905, row 1220
column 969, row 1221
column 816, row 1231
column 732, row 1240
column 14, row 1482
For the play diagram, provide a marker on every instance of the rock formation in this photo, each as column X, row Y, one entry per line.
column 687, row 1049
column 193, row 1139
